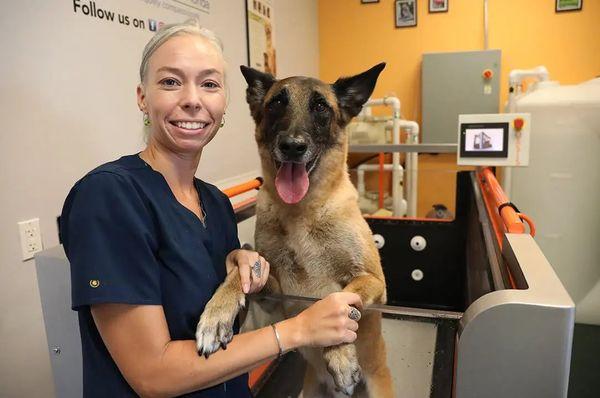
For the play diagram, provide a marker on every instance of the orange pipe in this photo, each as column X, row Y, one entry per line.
column 244, row 187
column 511, row 219
column 381, row 167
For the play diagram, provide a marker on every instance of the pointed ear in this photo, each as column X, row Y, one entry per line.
column 352, row 92
column 259, row 84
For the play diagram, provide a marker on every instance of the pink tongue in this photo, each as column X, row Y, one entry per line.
column 291, row 182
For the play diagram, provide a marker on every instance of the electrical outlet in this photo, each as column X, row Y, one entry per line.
column 31, row 237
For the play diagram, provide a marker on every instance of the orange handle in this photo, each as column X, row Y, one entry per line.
column 244, row 187
column 510, row 217
column 529, row 222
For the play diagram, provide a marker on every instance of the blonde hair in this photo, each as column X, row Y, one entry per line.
column 191, row 26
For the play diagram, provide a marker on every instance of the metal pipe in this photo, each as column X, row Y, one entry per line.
column 485, row 25
column 394, row 103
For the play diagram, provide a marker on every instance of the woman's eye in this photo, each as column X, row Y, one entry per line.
column 169, row 82
column 210, row 84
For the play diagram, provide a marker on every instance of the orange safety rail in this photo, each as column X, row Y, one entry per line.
column 507, row 220
column 257, row 373
column 244, row 187
column 244, row 203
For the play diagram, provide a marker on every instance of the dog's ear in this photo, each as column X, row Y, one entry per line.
column 259, row 84
column 352, row 92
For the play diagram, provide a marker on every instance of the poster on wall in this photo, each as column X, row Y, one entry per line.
column 261, row 36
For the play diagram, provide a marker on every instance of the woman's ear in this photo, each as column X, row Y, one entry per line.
column 141, row 97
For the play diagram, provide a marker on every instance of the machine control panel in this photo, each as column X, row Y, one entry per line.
column 498, row 139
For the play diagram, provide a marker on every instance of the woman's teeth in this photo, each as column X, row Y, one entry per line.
column 190, row 125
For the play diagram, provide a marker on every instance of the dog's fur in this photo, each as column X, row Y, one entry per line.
column 320, row 244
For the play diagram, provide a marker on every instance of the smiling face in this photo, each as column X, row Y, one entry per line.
column 184, row 94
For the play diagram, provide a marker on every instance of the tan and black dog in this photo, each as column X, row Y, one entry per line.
column 309, row 226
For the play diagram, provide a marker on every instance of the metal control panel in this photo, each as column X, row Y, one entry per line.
column 497, row 139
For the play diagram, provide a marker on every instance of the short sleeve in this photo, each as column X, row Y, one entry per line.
column 110, row 241
column 233, row 241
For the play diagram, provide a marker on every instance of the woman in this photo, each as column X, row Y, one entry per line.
column 149, row 244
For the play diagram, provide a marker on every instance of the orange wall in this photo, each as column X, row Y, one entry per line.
column 355, row 36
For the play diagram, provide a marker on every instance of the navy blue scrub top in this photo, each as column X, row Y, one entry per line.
column 130, row 241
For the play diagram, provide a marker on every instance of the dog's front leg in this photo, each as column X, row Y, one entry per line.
column 215, row 328
column 342, row 360
column 342, row 363
column 370, row 288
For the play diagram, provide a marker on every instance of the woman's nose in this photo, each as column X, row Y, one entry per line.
column 191, row 100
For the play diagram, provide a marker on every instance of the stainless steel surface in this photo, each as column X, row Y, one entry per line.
column 451, row 84
column 517, row 343
column 419, row 148
column 61, row 323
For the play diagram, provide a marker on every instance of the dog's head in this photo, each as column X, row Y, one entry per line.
column 300, row 124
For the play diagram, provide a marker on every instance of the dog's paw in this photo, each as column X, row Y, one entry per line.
column 215, row 328
column 342, row 363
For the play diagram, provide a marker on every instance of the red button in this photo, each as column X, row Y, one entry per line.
column 518, row 123
column 487, row 74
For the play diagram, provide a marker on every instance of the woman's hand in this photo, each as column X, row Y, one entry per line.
column 323, row 324
column 253, row 269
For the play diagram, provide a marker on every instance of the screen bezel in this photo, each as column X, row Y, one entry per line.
column 483, row 154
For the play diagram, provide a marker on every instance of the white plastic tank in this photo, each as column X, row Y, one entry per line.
column 560, row 189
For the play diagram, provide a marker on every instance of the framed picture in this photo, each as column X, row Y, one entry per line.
column 438, row 5
column 406, row 13
column 568, row 5
column 369, row 1
column 260, row 16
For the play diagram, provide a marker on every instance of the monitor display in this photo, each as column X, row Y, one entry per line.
column 483, row 140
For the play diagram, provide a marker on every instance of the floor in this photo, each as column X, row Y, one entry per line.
column 585, row 362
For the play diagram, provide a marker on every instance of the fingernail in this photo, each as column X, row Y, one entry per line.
column 246, row 287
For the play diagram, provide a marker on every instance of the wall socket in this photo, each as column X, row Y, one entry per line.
column 31, row 237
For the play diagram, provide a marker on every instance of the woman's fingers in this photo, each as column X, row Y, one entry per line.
column 244, row 270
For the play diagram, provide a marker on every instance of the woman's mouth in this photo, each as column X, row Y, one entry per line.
column 189, row 126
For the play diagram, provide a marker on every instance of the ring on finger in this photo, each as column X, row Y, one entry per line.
column 354, row 314
column 256, row 269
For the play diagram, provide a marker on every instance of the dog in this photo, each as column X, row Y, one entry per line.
column 309, row 226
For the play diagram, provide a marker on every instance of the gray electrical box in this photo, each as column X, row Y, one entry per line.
column 457, row 83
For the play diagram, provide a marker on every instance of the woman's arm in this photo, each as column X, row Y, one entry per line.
column 138, row 340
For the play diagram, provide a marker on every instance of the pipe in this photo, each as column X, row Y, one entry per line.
column 485, row 25
column 360, row 172
column 244, row 187
column 394, row 103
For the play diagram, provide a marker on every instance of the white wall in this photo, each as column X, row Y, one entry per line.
column 67, row 104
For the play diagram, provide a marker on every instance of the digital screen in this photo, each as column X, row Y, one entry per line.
column 484, row 140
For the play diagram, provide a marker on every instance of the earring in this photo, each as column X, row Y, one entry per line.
column 146, row 120
column 222, row 121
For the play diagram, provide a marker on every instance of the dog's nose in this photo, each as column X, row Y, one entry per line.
column 292, row 148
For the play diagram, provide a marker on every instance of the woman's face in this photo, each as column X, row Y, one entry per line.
column 184, row 94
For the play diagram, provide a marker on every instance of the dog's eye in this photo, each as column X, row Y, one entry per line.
column 320, row 107
column 276, row 103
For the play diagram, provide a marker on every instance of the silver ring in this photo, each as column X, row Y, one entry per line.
column 354, row 314
column 256, row 269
